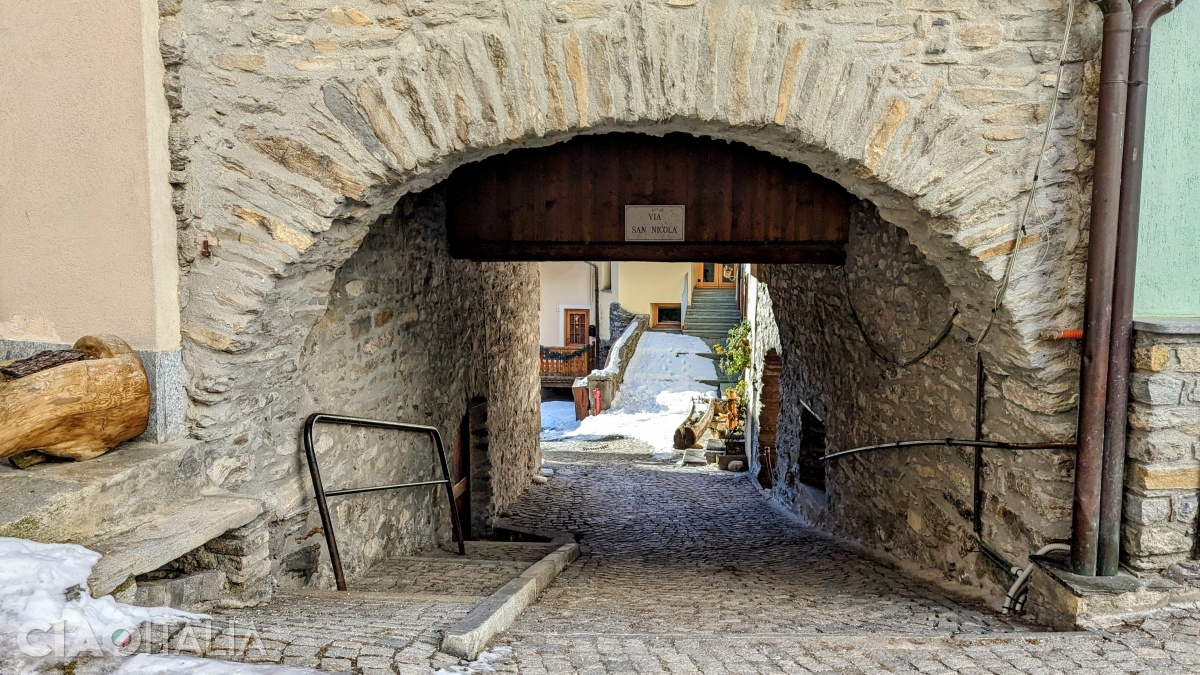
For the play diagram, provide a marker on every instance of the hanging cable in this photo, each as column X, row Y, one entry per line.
column 1037, row 175
column 877, row 350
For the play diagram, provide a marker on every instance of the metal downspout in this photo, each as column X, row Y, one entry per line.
column 1117, row 406
column 1106, row 187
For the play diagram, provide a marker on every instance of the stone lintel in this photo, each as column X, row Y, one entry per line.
column 1168, row 325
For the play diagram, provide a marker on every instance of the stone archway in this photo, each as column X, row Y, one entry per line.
column 294, row 130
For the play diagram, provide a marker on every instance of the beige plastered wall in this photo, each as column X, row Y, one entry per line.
column 87, row 231
column 563, row 284
column 639, row 284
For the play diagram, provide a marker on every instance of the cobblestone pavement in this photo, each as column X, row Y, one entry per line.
column 390, row 621
column 689, row 570
column 684, row 570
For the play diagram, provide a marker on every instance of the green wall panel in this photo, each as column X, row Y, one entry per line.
column 1168, row 279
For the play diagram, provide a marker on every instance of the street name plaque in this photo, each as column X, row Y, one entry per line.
column 654, row 223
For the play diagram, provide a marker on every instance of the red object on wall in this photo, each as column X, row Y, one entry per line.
column 596, row 401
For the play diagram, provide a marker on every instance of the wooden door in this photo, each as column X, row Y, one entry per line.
column 575, row 330
column 460, row 475
column 715, row 275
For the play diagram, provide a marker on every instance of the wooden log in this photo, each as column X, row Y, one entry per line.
column 694, row 427
column 77, row 410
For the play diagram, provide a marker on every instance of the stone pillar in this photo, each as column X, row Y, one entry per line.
column 1163, row 473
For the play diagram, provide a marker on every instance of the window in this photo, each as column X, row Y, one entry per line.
column 666, row 316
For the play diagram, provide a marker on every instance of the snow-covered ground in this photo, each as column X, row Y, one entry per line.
column 48, row 618
column 662, row 379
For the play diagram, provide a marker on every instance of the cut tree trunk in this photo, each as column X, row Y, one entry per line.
column 80, row 409
column 691, row 430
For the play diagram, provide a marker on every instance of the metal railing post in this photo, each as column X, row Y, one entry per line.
column 322, row 494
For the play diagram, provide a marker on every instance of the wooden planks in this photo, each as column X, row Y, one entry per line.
column 567, row 202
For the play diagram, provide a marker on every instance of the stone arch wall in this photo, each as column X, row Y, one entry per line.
column 298, row 125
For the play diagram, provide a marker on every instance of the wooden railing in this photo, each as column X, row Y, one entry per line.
column 569, row 369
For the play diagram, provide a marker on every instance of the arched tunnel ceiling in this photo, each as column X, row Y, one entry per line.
column 568, row 202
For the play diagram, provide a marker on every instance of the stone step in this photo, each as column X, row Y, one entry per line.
column 71, row 501
column 170, row 533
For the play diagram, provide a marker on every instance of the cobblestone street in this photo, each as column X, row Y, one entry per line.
column 689, row 570
column 684, row 570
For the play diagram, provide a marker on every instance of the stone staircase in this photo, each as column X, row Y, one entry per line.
column 712, row 313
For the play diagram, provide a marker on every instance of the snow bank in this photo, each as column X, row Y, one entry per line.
column 660, row 383
column 48, row 617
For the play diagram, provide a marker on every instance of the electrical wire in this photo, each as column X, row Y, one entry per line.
column 1006, row 280
column 877, row 350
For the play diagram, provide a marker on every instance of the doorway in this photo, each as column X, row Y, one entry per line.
column 460, row 475
column 575, row 327
column 715, row 275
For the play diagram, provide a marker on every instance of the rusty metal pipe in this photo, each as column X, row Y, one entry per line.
column 1116, row 412
column 1106, row 188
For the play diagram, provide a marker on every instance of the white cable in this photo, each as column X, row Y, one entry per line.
column 1014, row 600
column 1037, row 171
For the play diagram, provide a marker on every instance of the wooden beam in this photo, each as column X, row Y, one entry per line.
column 567, row 202
column 777, row 253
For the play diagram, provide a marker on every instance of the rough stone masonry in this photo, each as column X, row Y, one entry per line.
column 297, row 126
column 915, row 503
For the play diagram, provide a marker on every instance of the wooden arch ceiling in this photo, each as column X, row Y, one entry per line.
column 568, row 202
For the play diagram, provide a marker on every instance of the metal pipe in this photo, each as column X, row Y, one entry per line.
column 951, row 442
column 977, row 514
column 1106, row 187
column 1116, row 412
column 596, row 302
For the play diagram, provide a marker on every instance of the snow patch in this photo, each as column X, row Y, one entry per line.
column 558, row 418
column 483, row 664
column 662, row 379
column 157, row 664
column 48, row 617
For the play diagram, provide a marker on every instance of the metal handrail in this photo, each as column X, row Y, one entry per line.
column 310, row 453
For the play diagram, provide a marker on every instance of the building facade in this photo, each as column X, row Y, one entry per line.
column 249, row 192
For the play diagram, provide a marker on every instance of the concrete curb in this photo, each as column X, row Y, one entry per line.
column 467, row 638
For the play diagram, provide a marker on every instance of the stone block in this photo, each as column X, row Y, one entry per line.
column 186, row 592
column 1147, row 417
column 253, row 546
column 1159, row 446
column 1183, row 508
column 1066, row 602
column 1156, row 477
column 1145, row 510
column 1153, row 358
column 1189, row 359
column 1156, row 388
column 1147, row 540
